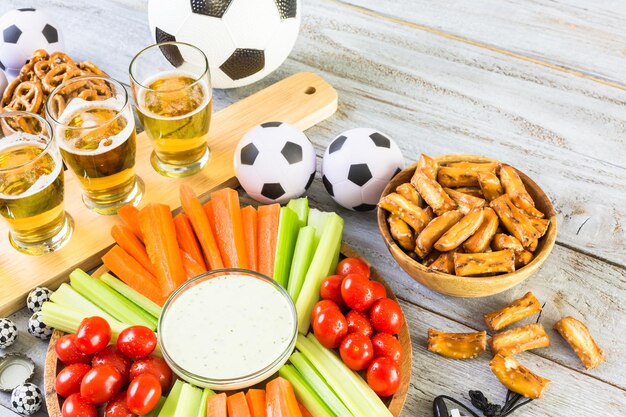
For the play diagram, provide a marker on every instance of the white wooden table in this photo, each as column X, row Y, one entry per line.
column 540, row 85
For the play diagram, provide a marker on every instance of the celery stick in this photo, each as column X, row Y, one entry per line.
column 288, row 228
column 300, row 206
column 305, row 394
column 169, row 408
column 318, row 385
column 188, row 402
column 206, row 393
column 157, row 409
column 335, row 261
column 67, row 320
column 141, row 300
column 305, row 247
column 67, row 296
column 318, row 270
column 317, row 219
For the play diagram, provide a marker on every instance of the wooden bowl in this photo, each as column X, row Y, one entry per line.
column 469, row 286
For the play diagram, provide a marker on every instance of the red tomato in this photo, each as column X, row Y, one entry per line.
column 387, row 346
column 379, row 290
column 137, row 342
column 110, row 355
column 331, row 290
column 144, row 393
column 359, row 323
column 100, row 384
column 357, row 292
column 154, row 366
column 322, row 306
column 386, row 316
column 93, row 335
column 117, row 407
column 383, row 376
column 68, row 353
column 356, row 351
column 76, row 406
column 69, row 379
column 330, row 327
column 353, row 266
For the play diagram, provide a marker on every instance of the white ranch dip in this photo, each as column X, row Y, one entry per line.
column 227, row 327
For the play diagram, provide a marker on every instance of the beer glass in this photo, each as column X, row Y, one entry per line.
column 95, row 131
column 172, row 89
column 31, row 184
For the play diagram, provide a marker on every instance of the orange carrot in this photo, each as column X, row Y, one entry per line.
column 237, row 405
column 201, row 226
column 256, row 402
column 130, row 216
column 159, row 234
column 192, row 268
column 187, row 239
column 280, row 399
column 268, row 217
column 128, row 241
column 216, row 406
column 249, row 221
column 304, row 411
column 208, row 210
column 228, row 228
column 133, row 274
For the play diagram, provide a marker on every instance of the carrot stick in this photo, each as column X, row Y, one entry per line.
column 304, row 411
column 192, row 268
column 208, row 210
column 216, row 406
column 159, row 234
column 249, row 221
column 130, row 216
column 133, row 274
column 237, row 405
column 268, row 217
column 187, row 239
column 228, row 228
column 256, row 402
column 201, row 226
column 128, row 241
column 280, row 399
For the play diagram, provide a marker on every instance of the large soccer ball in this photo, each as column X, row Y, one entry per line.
column 22, row 32
column 244, row 40
column 275, row 162
column 357, row 166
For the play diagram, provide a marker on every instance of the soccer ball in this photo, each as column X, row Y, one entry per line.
column 22, row 32
column 38, row 328
column 275, row 162
column 26, row 399
column 357, row 166
column 36, row 298
column 8, row 333
column 244, row 40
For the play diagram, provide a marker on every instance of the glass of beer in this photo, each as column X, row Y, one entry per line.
column 31, row 184
column 172, row 89
column 95, row 131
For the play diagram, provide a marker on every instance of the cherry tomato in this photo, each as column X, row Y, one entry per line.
column 383, row 376
column 331, row 290
column 330, row 327
column 69, row 379
column 137, row 342
column 322, row 306
column 93, row 335
column 353, row 266
column 144, row 393
column 154, row 366
column 100, row 384
column 117, row 407
column 386, row 316
column 76, row 406
column 356, row 351
column 357, row 292
column 68, row 353
column 110, row 355
column 379, row 290
column 359, row 323
column 387, row 346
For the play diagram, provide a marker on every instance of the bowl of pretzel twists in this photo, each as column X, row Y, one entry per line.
column 466, row 225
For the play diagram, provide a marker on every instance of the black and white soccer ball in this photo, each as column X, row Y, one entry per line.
column 8, row 333
column 22, row 32
column 357, row 166
column 275, row 162
column 244, row 40
column 26, row 399
column 36, row 298
column 38, row 328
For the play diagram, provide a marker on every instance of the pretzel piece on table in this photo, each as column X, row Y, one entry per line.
column 519, row 339
column 457, row 345
column 580, row 340
column 516, row 311
column 517, row 377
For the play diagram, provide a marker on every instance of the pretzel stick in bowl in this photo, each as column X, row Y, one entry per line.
column 486, row 263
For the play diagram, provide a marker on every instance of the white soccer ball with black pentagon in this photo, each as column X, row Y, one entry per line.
column 8, row 333
column 22, row 32
column 244, row 40
column 38, row 328
column 275, row 162
column 26, row 399
column 357, row 166
column 36, row 298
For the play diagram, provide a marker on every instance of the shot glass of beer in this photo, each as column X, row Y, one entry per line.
column 95, row 131
column 172, row 88
column 31, row 184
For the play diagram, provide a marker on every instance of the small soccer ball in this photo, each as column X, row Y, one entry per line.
column 22, row 32
column 26, row 399
column 8, row 333
column 275, row 162
column 38, row 328
column 357, row 166
column 36, row 298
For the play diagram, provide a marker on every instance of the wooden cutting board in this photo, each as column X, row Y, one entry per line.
column 303, row 100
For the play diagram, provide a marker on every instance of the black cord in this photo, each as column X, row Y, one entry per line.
column 460, row 404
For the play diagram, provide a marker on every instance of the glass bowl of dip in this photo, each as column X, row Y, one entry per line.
column 228, row 329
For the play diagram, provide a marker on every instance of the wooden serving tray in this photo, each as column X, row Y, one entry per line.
column 394, row 403
column 303, row 100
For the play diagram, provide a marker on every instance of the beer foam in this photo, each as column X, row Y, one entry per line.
column 80, row 105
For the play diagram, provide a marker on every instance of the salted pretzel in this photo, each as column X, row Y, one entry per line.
column 90, row 68
column 23, row 96
column 58, row 74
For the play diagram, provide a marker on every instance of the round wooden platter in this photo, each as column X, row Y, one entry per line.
column 394, row 403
